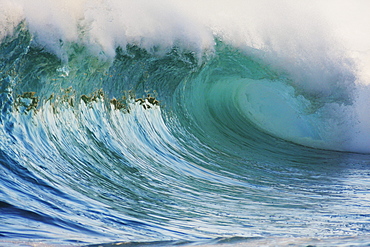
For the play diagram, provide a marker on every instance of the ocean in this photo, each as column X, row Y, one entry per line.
column 163, row 123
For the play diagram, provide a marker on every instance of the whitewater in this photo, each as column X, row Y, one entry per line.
column 166, row 123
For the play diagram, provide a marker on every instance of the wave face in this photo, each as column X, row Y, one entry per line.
column 164, row 123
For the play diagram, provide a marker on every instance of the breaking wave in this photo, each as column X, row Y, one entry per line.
column 143, row 122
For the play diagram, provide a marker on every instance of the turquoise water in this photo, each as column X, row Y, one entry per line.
column 168, row 144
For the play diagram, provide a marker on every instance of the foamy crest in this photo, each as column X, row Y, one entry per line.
column 107, row 24
column 289, row 28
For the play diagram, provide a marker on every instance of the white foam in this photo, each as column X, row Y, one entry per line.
column 108, row 24
column 10, row 16
column 292, row 29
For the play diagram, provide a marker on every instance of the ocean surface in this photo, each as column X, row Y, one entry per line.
column 184, row 122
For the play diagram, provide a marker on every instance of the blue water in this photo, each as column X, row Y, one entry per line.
column 150, row 139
